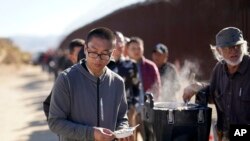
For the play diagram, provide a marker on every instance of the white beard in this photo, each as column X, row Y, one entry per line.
column 234, row 63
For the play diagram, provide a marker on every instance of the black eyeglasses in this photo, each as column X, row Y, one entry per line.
column 102, row 56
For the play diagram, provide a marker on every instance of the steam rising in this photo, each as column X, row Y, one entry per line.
column 172, row 90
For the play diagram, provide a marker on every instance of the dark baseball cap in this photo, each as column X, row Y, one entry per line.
column 229, row 36
column 161, row 48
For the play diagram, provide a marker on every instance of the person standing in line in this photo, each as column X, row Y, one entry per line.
column 149, row 78
column 127, row 69
column 71, row 57
column 169, row 78
column 88, row 100
column 148, row 72
column 229, row 87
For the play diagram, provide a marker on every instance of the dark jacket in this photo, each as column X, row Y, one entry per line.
column 127, row 69
column 230, row 94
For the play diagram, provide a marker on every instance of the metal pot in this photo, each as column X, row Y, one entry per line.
column 173, row 121
column 174, row 106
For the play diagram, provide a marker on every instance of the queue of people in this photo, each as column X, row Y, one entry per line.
column 55, row 62
column 102, row 89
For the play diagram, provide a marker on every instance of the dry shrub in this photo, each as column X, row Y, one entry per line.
column 11, row 54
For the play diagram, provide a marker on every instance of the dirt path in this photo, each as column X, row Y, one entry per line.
column 22, row 90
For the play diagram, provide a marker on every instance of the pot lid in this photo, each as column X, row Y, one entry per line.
column 174, row 106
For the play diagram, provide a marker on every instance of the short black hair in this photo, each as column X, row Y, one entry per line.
column 137, row 40
column 103, row 33
column 76, row 43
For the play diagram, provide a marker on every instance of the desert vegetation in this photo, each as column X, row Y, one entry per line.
column 11, row 54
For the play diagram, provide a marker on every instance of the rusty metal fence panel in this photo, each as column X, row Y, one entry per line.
column 187, row 27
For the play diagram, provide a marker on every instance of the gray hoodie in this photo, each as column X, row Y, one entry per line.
column 75, row 110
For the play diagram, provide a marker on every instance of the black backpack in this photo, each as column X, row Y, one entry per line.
column 46, row 105
column 46, row 102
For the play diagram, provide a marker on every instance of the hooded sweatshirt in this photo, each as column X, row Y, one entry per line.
column 81, row 101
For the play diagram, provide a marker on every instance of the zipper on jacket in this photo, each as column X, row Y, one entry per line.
column 98, row 102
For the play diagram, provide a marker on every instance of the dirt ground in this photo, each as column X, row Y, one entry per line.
column 22, row 90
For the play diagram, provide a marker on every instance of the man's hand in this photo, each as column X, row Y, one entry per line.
column 103, row 134
column 130, row 138
column 191, row 90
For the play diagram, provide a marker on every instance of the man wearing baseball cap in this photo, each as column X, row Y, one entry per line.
column 168, row 73
column 229, row 87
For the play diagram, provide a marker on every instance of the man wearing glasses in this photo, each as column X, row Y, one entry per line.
column 89, row 101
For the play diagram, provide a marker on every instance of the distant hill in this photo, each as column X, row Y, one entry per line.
column 11, row 54
column 35, row 44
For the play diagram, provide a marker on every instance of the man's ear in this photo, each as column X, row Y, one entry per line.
column 85, row 50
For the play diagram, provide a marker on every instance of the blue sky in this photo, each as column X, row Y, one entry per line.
column 52, row 17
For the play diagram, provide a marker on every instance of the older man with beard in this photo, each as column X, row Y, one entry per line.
column 229, row 87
